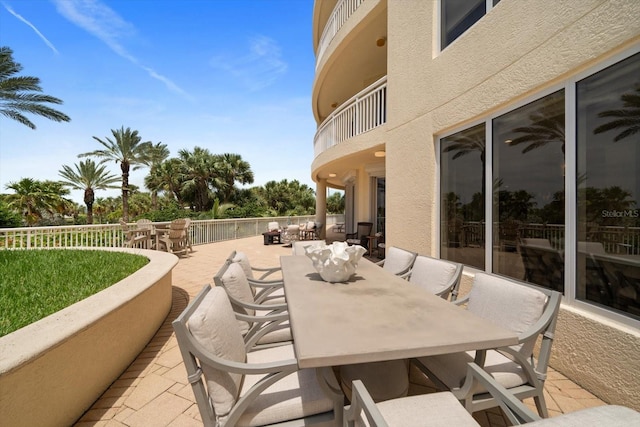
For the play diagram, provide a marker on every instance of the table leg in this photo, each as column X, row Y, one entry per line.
column 329, row 384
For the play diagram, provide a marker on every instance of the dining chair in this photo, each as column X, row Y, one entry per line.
column 529, row 312
column 135, row 237
column 173, row 240
column 236, row 385
column 263, row 289
column 359, row 237
column 232, row 279
column 438, row 276
column 187, row 234
column 444, row 410
column 398, row 261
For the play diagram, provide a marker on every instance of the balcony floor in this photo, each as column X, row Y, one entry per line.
column 154, row 391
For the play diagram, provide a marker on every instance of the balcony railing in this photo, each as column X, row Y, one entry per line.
column 365, row 111
column 111, row 235
column 341, row 13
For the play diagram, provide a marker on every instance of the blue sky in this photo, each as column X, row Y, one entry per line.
column 227, row 75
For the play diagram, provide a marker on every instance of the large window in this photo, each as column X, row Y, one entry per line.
column 457, row 16
column 462, row 176
column 528, row 192
column 608, row 183
column 527, row 214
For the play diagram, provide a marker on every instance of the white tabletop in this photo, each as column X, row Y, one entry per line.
column 376, row 316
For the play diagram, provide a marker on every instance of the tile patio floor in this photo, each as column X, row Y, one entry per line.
column 154, row 392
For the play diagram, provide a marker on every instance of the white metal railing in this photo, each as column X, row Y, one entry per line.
column 363, row 112
column 341, row 13
column 111, row 235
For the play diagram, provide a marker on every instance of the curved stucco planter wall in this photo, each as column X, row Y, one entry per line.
column 53, row 370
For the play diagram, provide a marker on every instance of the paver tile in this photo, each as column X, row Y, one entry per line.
column 158, row 412
column 147, row 390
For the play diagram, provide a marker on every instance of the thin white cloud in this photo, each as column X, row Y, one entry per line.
column 33, row 27
column 257, row 69
column 105, row 24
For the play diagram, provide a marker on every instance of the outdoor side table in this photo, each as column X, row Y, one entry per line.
column 271, row 237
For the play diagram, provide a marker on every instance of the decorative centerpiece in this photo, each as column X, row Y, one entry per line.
column 336, row 262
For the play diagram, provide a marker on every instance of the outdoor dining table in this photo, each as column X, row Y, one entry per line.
column 375, row 316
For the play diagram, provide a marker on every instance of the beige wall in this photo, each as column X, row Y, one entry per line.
column 53, row 370
column 519, row 49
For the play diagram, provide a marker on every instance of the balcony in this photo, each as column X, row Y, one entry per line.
column 341, row 13
column 363, row 112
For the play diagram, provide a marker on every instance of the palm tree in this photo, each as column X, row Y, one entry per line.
column 127, row 149
column 157, row 154
column 21, row 94
column 199, row 168
column 168, row 177
column 88, row 176
column 231, row 168
column 34, row 198
column 627, row 117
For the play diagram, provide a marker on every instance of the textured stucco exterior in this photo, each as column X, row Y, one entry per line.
column 517, row 52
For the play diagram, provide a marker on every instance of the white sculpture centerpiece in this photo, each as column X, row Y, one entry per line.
column 336, row 262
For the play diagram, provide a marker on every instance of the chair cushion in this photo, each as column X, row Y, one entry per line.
column 426, row 410
column 277, row 336
column 383, row 380
column 213, row 325
column 241, row 258
column 432, row 274
column 398, row 260
column 273, row 225
column 235, row 282
column 451, row 369
column 602, row 416
column 295, row 396
column 507, row 304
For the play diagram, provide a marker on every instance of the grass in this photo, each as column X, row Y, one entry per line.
column 37, row 283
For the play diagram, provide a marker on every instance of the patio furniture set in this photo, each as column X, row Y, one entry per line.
column 290, row 233
column 281, row 346
column 173, row 237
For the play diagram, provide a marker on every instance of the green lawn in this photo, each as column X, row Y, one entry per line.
column 37, row 283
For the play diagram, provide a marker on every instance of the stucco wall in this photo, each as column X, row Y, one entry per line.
column 516, row 51
column 53, row 370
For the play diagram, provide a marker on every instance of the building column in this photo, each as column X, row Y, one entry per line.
column 321, row 206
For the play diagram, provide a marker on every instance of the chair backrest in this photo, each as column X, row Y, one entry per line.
column 299, row 248
column 522, row 309
column 273, row 226
column 208, row 327
column 242, row 259
column 438, row 276
column 232, row 279
column 178, row 224
column 591, row 247
column 144, row 224
column 363, row 229
column 398, row 261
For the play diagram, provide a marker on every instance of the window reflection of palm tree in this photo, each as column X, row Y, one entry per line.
column 547, row 125
column 467, row 142
column 627, row 117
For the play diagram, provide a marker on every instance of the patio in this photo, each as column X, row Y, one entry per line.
column 154, row 390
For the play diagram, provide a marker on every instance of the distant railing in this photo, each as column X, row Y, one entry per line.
column 111, row 235
column 615, row 240
column 363, row 112
column 341, row 13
